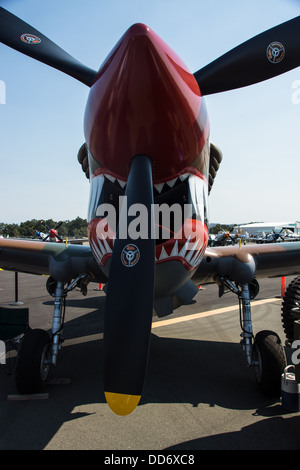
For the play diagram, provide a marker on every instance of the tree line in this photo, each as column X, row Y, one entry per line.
column 219, row 227
column 69, row 228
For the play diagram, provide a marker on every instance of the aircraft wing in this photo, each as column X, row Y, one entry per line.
column 62, row 262
column 244, row 263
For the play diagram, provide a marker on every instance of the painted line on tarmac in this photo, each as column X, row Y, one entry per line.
column 172, row 321
column 209, row 313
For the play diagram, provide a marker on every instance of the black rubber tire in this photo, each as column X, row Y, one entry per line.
column 51, row 286
column 82, row 153
column 216, row 153
column 271, row 358
column 31, row 372
column 288, row 315
column 214, row 163
column 85, row 164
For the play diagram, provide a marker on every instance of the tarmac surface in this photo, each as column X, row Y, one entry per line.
column 198, row 394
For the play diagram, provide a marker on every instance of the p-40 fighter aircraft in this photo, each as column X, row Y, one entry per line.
column 147, row 147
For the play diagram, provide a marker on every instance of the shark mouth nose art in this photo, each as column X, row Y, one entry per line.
column 180, row 230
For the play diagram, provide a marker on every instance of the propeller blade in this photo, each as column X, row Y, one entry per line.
column 59, row 224
column 129, row 299
column 45, row 225
column 22, row 37
column 267, row 55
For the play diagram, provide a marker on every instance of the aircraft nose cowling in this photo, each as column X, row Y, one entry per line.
column 145, row 101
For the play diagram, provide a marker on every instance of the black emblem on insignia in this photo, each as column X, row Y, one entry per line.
column 275, row 52
column 30, row 39
column 130, row 255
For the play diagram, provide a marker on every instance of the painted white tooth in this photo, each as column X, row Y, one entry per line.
column 172, row 182
column 97, row 258
column 96, row 252
column 159, row 187
column 107, row 247
column 184, row 248
column 163, row 254
column 189, row 256
column 122, row 183
column 175, row 250
column 196, row 260
column 93, row 247
column 184, row 176
column 100, row 248
column 196, row 190
column 96, row 185
column 193, row 253
column 194, row 247
column 110, row 178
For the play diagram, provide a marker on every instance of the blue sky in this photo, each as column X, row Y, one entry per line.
column 41, row 124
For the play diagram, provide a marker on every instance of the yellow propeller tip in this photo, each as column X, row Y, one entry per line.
column 122, row 404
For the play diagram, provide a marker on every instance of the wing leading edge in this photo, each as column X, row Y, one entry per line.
column 242, row 264
column 62, row 262
column 66, row 261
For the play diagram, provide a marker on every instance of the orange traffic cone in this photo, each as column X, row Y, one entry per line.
column 282, row 286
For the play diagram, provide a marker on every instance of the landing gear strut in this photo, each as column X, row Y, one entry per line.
column 39, row 349
column 264, row 352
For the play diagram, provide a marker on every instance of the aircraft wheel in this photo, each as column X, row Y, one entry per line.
column 33, row 361
column 271, row 361
column 51, row 286
column 290, row 310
